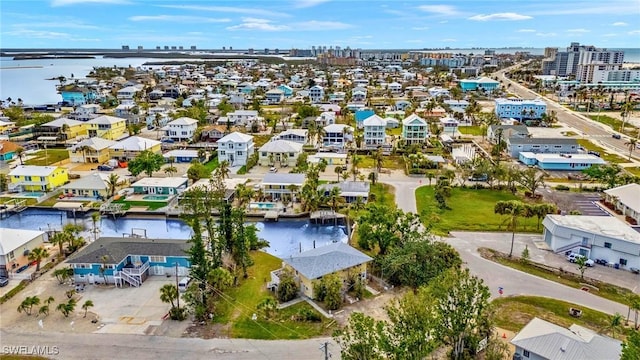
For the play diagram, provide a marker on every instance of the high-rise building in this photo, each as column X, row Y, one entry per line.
column 580, row 61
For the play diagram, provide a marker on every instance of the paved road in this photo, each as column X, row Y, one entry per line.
column 105, row 346
column 596, row 132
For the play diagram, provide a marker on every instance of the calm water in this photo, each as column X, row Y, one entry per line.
column 26, row 79
column 285, row 237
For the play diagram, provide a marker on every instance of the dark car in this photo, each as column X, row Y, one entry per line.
column 4, row 282
column 616, row 136
column 602, row 261
column 594, row 153
column 105, row 168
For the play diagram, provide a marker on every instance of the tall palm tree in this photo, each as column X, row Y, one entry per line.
column 169, row 293
column 627, row 108
column 38, row 254
column 20, row 153
column 113, row 181
column 338, row 170
column 95, row 216
column 59, row 238
column 223, row 170
column 631, row 144
column 355, row 160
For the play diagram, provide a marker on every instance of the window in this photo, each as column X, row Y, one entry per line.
column 264, row 153
column 222, row 153
column 607, row 245
column 157, row 259
column 11, row 255
column 525, row 353
column 623, row 262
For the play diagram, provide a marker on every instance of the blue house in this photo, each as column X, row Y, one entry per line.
column 360, row 115
column 129, row 261
column 8, row 150
column 181, row 156
column 160, row 186
column 288, row 92
column 78, row 96
column 481, row 84
column 520, row 108
column 562, row 162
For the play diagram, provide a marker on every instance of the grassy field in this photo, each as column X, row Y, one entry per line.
column 470, row 210
column 384, row 194
column 514, row 312
column 388, row 162
column 471, row 130
column 612, row 158
column 52, row 156
column 615, row 124
column 150, row 205
column 240, row 303
column 259, row 140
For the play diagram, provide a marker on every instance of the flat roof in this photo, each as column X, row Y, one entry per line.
column 563, row 158
column 161, row 182
column 11, row 239
column 601, row 225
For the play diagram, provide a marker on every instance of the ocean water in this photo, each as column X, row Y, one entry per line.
column 27, row 79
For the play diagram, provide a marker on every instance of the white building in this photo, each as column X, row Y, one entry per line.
column 626, row 198
column 374, row 131
column 415, row 130
column 596, row 237
column 282, row 152
column 242, row 117
column 316, row 93
column 337, row 136
column 181, row 129
column 520, row 108
column 235, row 148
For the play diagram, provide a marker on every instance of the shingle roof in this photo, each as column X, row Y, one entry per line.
column 326, row 260
column 117, row 249
column 281, row 146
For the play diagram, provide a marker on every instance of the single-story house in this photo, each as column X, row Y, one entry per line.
column 517, row 144
column 283, row 152
column 276, row 185
column 181, row 156
column 129, row 260
column 8, row 150
column 350, row 191
column 310, row 266
column 564, row 162
column 626, row 198
column 90, row 186
column 596, row 237
column 15, row 246
column 330, row 158
column 94, row 150
column 131, row 147
column 213, row 133
column 160, row 186
column 540, row 339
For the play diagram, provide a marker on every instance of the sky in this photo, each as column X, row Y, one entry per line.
column 285, row 24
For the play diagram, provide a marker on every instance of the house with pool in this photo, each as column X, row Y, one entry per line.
column 129, row 261
column 165, row 187
column 37, row 178
column 90, row 186
column 277, row 185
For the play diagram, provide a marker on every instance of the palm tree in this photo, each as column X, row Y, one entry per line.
column 87, row 304
column 170, row 170
column 338, row 171
column 355, row 160
column 284, row 159
column 631, row 144
column 156, row 123
column 103, row 267
column 223, row 170
column 169, row 293
column 95, row 216
column 28, row 303
column 113, row 181
column 271, row 158
column 514, row 212
column 627, row 108
column 293, row 189
column 615, row 323
column 378, row 159
column 20, row 153
column 67, row 308
column 59, row 238
column 38, row 254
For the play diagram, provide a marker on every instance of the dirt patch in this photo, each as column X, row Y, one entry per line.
column 374, row 307
column 208, row 331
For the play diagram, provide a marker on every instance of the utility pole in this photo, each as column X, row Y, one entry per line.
column 177, row 288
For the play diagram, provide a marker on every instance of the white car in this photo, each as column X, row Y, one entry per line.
column 573, row 257
column 273, row 169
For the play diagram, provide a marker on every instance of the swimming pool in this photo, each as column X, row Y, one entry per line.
column 155, row 197
column 29, row 194
column 262, row 205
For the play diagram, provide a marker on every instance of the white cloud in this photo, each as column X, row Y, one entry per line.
column 257, row 24
column 420, row 28
column 550, row 34
column 268, row 25
column 439, row 9
column 526, row 30
column 301, row 4
column 443, row 22
column 229, row 9
column 449, row 40
column 177, row 18
column 313, row 25
column 57, row 3
column 634, row 32
column 578, row 31
column 63, row 24
column 508, row 16
column 617, row 8
column 619, row 23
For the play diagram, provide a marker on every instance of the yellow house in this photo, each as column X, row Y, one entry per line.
column 6, row 126
column 107, row 127
column 308, row 267
column 93, row 150
column 15, row 246
column 89, row 186
column 38, row 178
column 129, row 148
column 67, row 128
column 329, row 157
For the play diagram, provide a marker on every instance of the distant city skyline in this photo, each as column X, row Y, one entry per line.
column 301, row 24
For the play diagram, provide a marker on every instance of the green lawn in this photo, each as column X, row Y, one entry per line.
column 384, row 194
column 212, row 164
column 240, row 304
column 612, row 158
column 514, row 312
column 614, row 123
column 259, row 140
column 396, row 131
column 471, row 130
column 52, row 156
column 633, row 170
column 150, row 205
column 470, row 210
column 388, row 162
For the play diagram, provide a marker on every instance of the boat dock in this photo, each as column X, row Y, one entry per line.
column 326, row 216
column 271, row 215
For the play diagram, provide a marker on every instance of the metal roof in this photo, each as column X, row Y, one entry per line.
column 326, row 260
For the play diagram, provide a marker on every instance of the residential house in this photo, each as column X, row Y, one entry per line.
column 560, row 162
column 330, row 158
column 449, row 125
column 374, row 134
column 394, row 87
column 37, row 178
column 213, row 133
column 61, row 129
column 129, row 111
column 15, row 247
column 286, row 90
column 484, row 84
column 129, row 261
column 160, row 186
column 235, row 148
column 415, row 130
column 277, row 185
column 6, row 126
column 74, row 95
column 334, row 108
column 540, row 340
column 392, row 123
column 94, row 150
column 181, row 129
column 360, row 115
column 310, row 266
column 596, row 237
column 274, row 96
column 107, row 127
column 316, row 93
column 90, row 186
column 325, row 118
column 8, row 150
column 358, row 96
column 300, row 136
column 520, row 108
column 458, row 106
column 181, row 156
column 337, row 136
column 506, row 131
column 281, row 152
column 350, row 191
column 402, row 105
column 626, row 198
column 127, row 93
column 516, row 145
column 242, row 117
column 129, row 148
column 85, row 112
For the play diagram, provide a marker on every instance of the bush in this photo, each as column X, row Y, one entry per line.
column 306, row 314
column 242, row 170
column 287, row 289
column 562, row 188
column 14, row 291
column 177, row 313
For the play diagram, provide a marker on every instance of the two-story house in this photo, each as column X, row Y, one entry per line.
column 337, row 135
column 449, row 126
column 107, row 127
column 93, row 150
column 213, row 133
column 181, row 129
column 316, row 93
column 415, row 130
column 374, row 132
column 129, row 148
column 127, row 93
column 242, row 117
column 516, row 145
column 282, row 152
column 62, row 129
column 235, row 148
column 274, row 96
column 300, row 136
column 37, row 178
column 276, row 185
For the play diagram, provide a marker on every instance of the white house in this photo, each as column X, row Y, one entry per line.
column 457, row 105
column 449, row 126
column 415, row 130
column 15, row 246
column 337, row 135
column 395, row 87
column 242, row 117
column 274, row 96
column 626, row 198
column 316, row 93
column 300, row 136
column 281, row 152
column 235, row 148
column 127, row 93
column 326, row 118
column 596, row 237
column 181, row 129
column 374, row 131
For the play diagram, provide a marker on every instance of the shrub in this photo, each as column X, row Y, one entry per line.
column 242, row 170
column 306, row 314
column 287, row 289
column 562, row 188
column 14, row 291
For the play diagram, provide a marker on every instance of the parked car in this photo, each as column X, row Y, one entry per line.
column 573, row 257
column 595, row 153
column 478, row 177
column 602, row 261
column 4, row 282
column 634, row 270
column 105, row 168
column 616, row 136
column 273, row 169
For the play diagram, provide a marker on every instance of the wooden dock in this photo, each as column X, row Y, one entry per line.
column 271, row 215
column 325, row 216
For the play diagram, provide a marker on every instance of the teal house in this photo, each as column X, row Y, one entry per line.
column 481, row 84
column 288, row 92
column 160, row 186
column 8, row 150
column 78, row 96
column 129, row 261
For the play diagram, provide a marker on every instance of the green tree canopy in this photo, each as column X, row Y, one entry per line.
column 146, row 162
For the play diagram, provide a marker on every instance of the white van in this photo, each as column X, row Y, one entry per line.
column 184, row 284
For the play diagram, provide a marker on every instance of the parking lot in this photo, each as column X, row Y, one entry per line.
column 585, row 203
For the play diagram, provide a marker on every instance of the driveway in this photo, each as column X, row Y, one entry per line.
column 585, row 203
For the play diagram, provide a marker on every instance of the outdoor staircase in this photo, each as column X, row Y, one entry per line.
column 129, row 279
column 569, row 247
column 133, row 276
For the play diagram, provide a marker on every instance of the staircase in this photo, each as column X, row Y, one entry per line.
column 131, row 280
column 569, row 247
